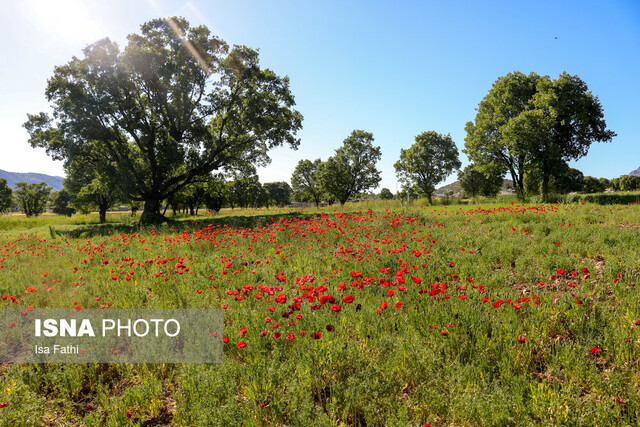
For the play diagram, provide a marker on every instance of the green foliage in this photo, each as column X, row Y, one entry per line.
column 626, row 183
column 60, row 203
column 370, row 368
column 32, row 198
column 174, row 105
column 427, row 162
column 474, row 182
column 306, row 181
column 216, row 194
column 352, row 169
column 278, row 193
column 569, row 180
column 606, row 198
column 6, row 198
column 386, row 194
column 245, row 190
column 592, row 185
column 532, row 124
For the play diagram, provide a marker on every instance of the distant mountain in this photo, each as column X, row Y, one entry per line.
column 32, row 178
column 455, row 186
column 635, row 172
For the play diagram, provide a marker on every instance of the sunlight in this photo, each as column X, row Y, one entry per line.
column 65, row 21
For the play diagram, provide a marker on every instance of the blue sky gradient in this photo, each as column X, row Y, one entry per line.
column 392, row 68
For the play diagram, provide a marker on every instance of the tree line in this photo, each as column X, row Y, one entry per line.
column 158, row 123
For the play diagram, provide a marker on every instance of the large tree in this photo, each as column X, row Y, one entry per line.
column 306, row 182
column 352, row 169
column 174, row 105
column 529, row 123
column 427, row 162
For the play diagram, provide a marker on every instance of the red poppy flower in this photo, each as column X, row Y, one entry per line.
column 595, row 350
column 336, row 308
column 241, row 344
column 348, row 299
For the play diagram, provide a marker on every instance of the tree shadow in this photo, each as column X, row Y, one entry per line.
column 178, row 225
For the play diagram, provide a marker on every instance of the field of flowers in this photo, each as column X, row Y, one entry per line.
column 458, row 315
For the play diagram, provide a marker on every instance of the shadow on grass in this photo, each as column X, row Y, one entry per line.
column 178, row 225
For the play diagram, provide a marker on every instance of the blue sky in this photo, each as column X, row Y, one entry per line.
column 395, row 69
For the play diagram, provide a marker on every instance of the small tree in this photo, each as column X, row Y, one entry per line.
column 306, row 182
column 592, row 185
column 408, row 194
column 6, row 197
column 246, row 190
column 352, row 169
column 428, row 162
column 606, row 183
column 215, row 194
column 279, row 193
column 32, row 198
column 474, row 182
column 134, row 206
column 60, row 203
column 386, row 194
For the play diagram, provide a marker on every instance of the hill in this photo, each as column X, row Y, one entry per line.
column 455, row 186
column 31, row 178
column 635, row 172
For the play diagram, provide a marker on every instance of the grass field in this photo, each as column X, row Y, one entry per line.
column 368, row 315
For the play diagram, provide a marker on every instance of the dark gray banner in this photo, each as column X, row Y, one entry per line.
column 111, row 336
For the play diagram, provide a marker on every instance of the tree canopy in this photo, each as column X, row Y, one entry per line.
column 6, row 197
column 475, row 183
column 32, row 198
column 529, row 122
column 427, row 162
column 306, row 182
column 352, row 169
column 176, row 104
column 279, row 193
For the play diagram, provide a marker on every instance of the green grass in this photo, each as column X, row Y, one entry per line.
column 379, row 366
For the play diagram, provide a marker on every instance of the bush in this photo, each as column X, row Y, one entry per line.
column 605, row 198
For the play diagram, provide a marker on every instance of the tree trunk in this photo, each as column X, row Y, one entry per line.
column 545, row 187
column 518, row 184
column 192, row 211
column 102, row 210
column 429, row 199
column 151, row 213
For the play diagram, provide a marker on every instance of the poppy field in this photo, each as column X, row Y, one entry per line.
column 510, row 314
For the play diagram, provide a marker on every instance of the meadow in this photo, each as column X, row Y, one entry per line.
column 512, row 314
